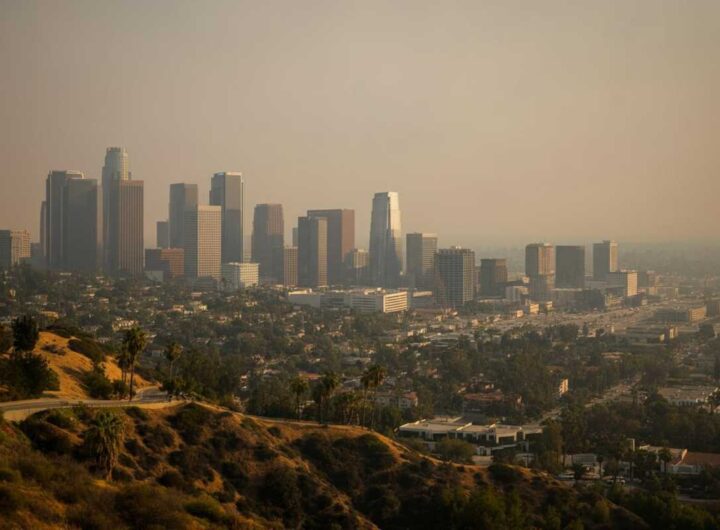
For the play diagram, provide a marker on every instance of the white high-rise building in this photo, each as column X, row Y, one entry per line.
column 386, row 245
column 203, row 236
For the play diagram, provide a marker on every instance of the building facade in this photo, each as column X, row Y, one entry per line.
column 455, row 270
column 420, row 259
column 203, row 240
column 183, row 197
column 227, row 190
column 386, row 252
column 169, row 261
column 357, row 267
column 570, row 263
column 290, row 266
column 240, row 275
column 605, row 259
column 14, row 247
column 493, row 276
column 312, row 251
column 268, row 241
column 81, row 226
column 340, row 240
column 540, row 268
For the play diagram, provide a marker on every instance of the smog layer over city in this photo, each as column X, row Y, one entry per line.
column 397, row 265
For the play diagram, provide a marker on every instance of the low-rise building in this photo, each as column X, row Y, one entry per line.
column 240, row 275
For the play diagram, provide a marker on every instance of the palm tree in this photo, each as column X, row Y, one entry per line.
column 299, row 386
column 123, row 363
column 104, row 437
column 173, row 351
column 328, row 384
column 135, row 341
column 373, row 378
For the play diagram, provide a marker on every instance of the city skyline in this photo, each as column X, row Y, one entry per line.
column 526, row 120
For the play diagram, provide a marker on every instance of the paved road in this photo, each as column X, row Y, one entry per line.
column 151, row 397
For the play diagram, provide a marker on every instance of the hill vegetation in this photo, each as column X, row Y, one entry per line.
column 191, row 466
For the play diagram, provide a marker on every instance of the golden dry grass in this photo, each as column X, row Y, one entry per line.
column 70, row 365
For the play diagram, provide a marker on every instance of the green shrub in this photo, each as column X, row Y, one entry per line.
column 97, row 384
column 206, row 508
column 62, row 418
column 88, row 348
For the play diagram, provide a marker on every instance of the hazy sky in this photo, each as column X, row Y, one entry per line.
column 495, row 120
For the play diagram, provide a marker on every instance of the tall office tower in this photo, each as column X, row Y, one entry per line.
column 540, row 267
column 420, row 261
column 14, row 247
column 295, row 236
column 125, row 243
column 268, row 240
column 116, row 168
column 169, row 261
column 493, row 276
column 290, row 266
column 81, row 225
column 203, row 242
column 605, row 259
column 227, row 190
column 312, row 251
column 455, row 270
column 183, row 197
column 570, row 266
column 55, row 216
column 43, row 221
column 357, row 266
column 341, row 240
column 386, row 253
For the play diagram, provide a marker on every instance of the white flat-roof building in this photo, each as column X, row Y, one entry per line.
column 362, row 300
column 240, row 275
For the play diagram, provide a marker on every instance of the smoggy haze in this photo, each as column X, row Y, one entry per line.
column 495, row 121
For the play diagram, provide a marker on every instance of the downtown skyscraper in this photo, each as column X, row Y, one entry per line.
column 312, row 251
column 54, row 218
column 540, row 267
column 340, row 240
column 123, row 203
column 183, row 197
column 386, row 246
column 227, row 190
column 605, row 259
column 203, row 241
column 455, row 270
column 268, row 241
column 570, row 266
column 71, row 232
column 420, row 262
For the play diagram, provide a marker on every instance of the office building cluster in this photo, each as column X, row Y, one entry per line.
column 90, row 225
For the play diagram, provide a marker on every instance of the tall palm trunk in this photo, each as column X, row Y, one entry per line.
column 132, row 381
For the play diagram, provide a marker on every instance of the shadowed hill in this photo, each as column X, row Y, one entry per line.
column 191, row 466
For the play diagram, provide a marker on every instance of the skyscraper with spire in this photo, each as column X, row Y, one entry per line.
column 386, row 246
column 123, row 244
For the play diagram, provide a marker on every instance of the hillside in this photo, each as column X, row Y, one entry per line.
column 70, row 365
column 190, row 466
